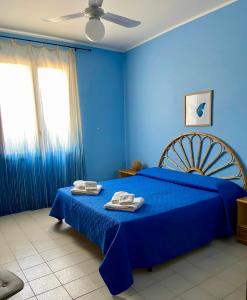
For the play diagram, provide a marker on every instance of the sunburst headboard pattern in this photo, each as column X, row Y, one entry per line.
column 204, row 154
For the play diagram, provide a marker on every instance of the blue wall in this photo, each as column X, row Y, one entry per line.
column 100, row 81
column 100, row 77
column 209, row 53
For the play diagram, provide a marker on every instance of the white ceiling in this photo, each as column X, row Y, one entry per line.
column 157, row 16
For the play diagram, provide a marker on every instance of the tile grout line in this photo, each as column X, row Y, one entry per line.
column 197, row 285
column 45, row 291
column 73, row 279
column 22, row 271
column 88, row 293
column 40, row 276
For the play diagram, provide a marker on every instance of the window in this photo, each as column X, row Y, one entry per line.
column 32, row 99
column 54, row 90
column 17, row 106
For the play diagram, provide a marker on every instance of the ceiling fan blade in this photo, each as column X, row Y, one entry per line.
column 122, row 21
column 65, row 18
column 95, row 3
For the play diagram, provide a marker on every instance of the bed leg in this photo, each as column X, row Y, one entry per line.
column 150, row 269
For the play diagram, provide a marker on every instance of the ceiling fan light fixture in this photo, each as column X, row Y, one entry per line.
column 95, row 29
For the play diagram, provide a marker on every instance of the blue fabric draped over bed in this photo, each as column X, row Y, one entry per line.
column 181, row 212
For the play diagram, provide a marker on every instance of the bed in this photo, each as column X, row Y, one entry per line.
column 182, row 210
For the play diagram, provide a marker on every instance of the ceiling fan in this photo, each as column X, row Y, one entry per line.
column 95, row 29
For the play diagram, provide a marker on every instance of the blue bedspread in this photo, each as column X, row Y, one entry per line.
column 181, row 212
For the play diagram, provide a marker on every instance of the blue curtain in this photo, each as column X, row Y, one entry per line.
column 41, row 147
column 30, row 182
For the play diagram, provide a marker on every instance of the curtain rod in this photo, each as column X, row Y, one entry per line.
column 47, row 43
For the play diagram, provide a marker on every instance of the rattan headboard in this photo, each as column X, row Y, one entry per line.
column 204, row 154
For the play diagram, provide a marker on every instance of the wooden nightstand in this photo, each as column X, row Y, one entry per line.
column 126, row 173
column 242, row 220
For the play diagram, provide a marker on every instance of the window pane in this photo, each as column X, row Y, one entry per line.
column 17, row 106
column 54, row 89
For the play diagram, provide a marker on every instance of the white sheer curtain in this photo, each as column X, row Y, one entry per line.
column 38, row 97
column 40, row 124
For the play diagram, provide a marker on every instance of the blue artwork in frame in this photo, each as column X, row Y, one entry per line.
column 198, row 109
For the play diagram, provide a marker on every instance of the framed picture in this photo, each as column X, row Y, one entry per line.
column 198, row 109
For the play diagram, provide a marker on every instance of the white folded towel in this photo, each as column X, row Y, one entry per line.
column 115, row 197
column 125, row 199
column 85, row 185
column 136, row 204
column 80, row 191
column 122, row 198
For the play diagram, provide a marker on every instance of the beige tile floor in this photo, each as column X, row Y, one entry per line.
column 56, row 262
